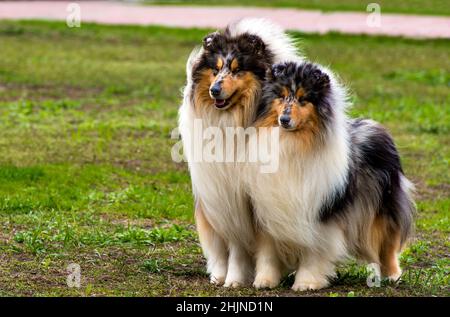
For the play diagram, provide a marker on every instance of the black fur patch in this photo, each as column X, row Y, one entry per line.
column 374, row 160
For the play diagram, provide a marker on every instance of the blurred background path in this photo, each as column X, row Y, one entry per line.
column 308, row 21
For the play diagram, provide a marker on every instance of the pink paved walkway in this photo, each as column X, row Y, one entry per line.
column 215, row 17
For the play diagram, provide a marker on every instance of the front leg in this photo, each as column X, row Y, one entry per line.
column 240, row 267
column 213, row 246
column 268, row 266
column 314, row 272
column 317, row 266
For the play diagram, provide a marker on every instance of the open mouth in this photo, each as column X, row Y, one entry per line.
column 221, row 103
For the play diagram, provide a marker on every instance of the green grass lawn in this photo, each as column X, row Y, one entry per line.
column 86, row 174
column 431, row 7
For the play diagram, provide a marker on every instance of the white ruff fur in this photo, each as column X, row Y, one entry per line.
column 219, row 186
column 287, row 202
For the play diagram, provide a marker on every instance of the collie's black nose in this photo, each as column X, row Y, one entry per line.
column 284, row 120
column 215, row 90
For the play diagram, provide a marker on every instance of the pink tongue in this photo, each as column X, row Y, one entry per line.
column 219, row 102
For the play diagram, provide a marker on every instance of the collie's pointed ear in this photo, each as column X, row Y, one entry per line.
column 251, row 43
column 320, row 80
column 314, row 80
column 212, row 41
column 276, row 71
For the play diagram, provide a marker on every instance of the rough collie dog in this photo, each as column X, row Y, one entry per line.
column 339, row 190
column 223, row 90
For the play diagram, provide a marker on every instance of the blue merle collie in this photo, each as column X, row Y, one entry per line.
column 339, row 190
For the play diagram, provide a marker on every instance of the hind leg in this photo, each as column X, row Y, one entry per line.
column 214, row 247
column 386, row 245
column 389, row 250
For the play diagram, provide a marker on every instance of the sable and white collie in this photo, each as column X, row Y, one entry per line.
column 339, row 190
column 224, row 80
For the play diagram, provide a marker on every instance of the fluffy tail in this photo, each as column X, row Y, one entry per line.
column 407, row 209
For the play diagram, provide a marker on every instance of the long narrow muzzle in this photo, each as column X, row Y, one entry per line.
column 216, row 89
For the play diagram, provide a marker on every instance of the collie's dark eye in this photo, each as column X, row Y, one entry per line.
column 215, row 71
column 237, row 70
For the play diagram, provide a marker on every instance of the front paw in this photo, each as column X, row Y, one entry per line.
column 235, row 281
column 305, row 281
column 308, row 285
column 217, row 280
column 395, row 276
column 266, row 281
column 218, row 272
column 233, row 284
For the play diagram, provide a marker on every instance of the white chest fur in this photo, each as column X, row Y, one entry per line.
column 219, row 185
column 287, row 202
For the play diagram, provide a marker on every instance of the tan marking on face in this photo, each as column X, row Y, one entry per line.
column 228, row 85
column 271, row 118
column 299, row 93
column 284, row 92
column 219, row 63
column 305, row 117
column 247, row 80
column 234, row 65
column 305, row 121
column 236, row 85
column 248, row 88
column 201, row 93
column 245, row 89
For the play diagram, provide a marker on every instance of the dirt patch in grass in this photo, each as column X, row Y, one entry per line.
column 38, row 92
column 429, row 192
column 172, row 269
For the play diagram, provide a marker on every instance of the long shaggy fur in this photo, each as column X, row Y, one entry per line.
column 223, row 212
column 339, row 191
